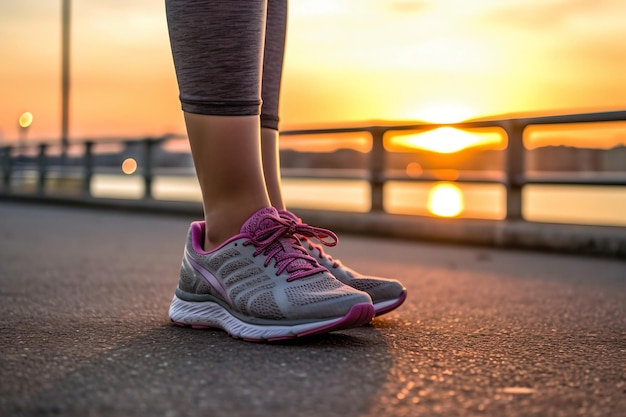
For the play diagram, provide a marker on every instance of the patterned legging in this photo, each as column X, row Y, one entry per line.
column 228, row 55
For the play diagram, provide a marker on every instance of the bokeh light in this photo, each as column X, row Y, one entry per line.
column 129, row 166
column 26, row 119
column 445, row 200
column 414, row 169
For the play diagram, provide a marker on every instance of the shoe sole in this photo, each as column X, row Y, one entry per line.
column 389, row 305
column 206, row 315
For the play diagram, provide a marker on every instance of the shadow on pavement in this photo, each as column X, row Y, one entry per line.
column 171, row 371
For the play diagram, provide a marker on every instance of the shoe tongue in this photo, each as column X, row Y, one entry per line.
column 260, row 220
column 265, row 218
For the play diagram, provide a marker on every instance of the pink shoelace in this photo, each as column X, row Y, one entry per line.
column 322, row 254
column 279, row 242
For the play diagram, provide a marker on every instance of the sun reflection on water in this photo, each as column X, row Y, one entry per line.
column 445, row 200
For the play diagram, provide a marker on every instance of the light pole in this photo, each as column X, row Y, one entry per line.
column 65, row 78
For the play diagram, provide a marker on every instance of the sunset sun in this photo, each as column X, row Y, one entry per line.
column 445, row 139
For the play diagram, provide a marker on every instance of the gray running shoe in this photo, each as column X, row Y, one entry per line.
column 387, row 294
column 262, row 285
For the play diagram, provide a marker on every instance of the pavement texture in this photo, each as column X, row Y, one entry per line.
column 84, row 296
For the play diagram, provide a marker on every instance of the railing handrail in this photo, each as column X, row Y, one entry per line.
column 514, row 175
column 596, row 117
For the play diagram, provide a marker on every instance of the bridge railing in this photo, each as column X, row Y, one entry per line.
column 37, row 160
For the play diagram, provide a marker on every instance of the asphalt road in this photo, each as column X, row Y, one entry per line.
column 84, row 297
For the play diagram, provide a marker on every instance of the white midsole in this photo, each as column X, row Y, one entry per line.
column 214, row 315
column 384, row 304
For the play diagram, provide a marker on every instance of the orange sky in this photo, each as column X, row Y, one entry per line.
column 347, row 61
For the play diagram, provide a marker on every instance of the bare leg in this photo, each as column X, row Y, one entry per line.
column 273, row 56
column 271, row 166
column 227, row 157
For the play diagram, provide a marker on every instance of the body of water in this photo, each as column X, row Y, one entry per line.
column 561, row 204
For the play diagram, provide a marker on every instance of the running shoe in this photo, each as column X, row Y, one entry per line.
column 387, row 294
column 262, row 285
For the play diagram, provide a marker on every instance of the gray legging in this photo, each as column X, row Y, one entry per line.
column 228, row 55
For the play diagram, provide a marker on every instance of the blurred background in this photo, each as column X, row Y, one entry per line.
column 349, row 62
column 346, row 60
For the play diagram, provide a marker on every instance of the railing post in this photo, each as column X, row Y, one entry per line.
column 7, row 168
column 147, row 167
column 88, row 168
column 42, row 168
column 514, row 169
column 377, row 169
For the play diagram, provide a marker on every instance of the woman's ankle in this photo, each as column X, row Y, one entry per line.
column 226, row 222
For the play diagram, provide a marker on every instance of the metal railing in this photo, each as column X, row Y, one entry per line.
column 514, row 176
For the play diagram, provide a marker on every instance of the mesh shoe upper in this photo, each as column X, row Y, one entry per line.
column 263, row 273
column 379, row 289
